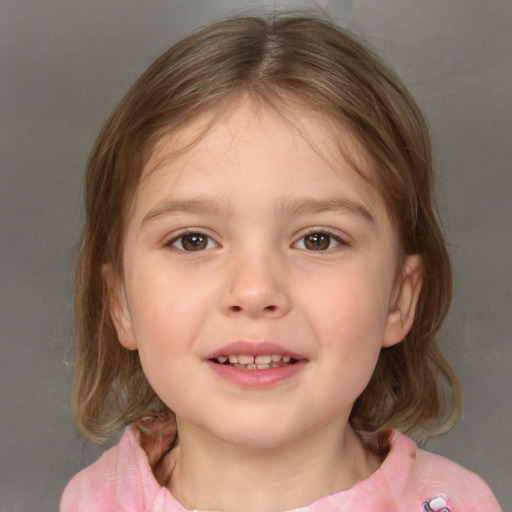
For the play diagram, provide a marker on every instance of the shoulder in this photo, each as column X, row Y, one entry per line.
column 96, row 484
column 437, row 481
column 121, row 474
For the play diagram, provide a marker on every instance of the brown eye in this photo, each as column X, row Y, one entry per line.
column 318, row 241
column 193, row 242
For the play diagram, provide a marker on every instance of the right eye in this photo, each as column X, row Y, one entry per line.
column 192, row 242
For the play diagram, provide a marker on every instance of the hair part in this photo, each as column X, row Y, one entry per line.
column 285, row 61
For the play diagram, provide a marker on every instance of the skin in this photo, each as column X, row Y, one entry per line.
column 257, row 278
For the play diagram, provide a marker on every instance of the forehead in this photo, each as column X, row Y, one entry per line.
column 249, row 128
column 259, row 157
column 255, row 168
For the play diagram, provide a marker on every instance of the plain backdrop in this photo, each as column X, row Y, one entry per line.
column 63, row 66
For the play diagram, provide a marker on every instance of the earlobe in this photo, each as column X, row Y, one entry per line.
column 402, row 310
column 118, row 308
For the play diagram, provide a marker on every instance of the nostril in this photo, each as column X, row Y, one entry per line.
column 268, row 309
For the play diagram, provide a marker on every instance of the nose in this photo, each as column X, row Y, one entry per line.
column 256, row 288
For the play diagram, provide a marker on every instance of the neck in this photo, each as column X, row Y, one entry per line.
column 209, row 474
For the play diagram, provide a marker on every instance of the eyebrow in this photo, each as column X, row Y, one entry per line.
column 284, row 207
column 193, row 206
column 307, row 205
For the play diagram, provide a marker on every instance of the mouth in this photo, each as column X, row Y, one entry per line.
column 258, row 362
column 255, row 364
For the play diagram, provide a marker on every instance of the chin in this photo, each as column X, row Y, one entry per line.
column 253, row 435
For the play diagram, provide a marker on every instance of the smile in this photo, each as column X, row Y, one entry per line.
column 251, row 364
column 259, row 362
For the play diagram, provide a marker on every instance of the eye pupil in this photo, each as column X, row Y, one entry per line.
column 317, row 241
column 194, row 242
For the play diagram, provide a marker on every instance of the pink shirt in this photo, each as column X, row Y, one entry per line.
column 409, row 480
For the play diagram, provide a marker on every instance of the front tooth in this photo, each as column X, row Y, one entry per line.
column 262, row 359
column 233, row 359
column 276, row 358
column 244, row 359
column 222, row 359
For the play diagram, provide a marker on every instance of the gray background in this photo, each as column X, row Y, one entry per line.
column 63, row 66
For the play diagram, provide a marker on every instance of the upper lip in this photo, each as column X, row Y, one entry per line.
column 253, row 348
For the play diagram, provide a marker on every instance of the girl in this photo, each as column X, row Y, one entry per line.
column 260, row 284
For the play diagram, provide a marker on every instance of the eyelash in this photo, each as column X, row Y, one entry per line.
column 332, row 237
column 191, row 233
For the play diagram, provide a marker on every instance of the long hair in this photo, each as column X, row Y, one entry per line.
column 281, row 60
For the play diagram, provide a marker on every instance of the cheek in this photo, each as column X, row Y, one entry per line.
column 352, row 303
column 348, row 319
column 162, row 295
column 164, row 332
column 167, row 310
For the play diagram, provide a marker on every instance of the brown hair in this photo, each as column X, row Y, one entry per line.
column 319, row 65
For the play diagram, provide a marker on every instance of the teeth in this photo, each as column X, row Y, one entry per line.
column 261, row 362
column 244, row 359
column 262, row 359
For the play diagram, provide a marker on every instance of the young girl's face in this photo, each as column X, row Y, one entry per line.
column 261, row 247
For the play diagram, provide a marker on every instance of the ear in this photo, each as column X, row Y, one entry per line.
column 403, row 308
column 118, row 308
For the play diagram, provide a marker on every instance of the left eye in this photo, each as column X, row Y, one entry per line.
column 192, row 242
column 318, row 241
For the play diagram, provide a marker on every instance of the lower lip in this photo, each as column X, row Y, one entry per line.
column 257, row 378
